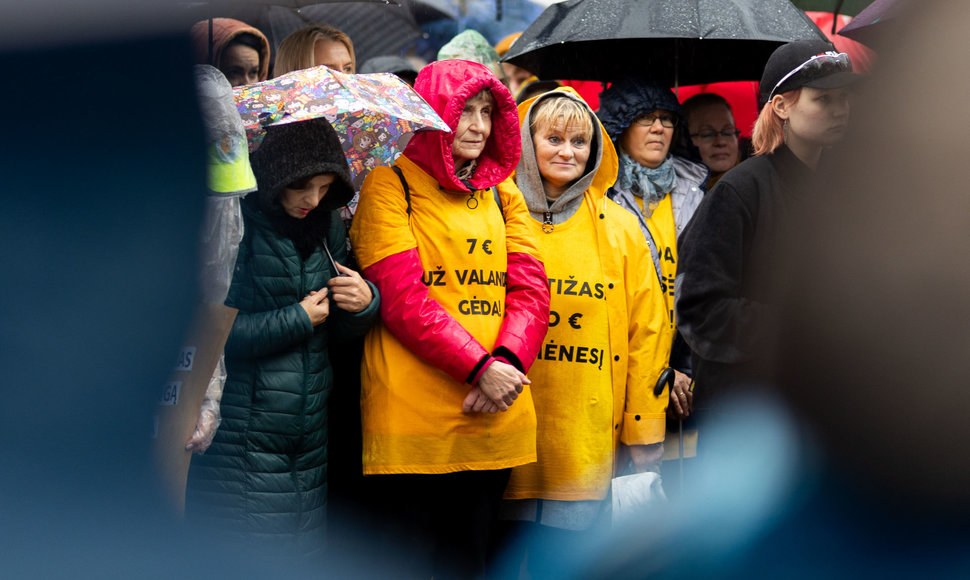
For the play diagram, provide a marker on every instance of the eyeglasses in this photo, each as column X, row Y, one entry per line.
column 711, row 135
column 647, row 120
column 818, row 66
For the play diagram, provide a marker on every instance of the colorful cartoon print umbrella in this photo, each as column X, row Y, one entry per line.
column 370, row 112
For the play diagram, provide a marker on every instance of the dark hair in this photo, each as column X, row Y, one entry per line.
column 702, row 100
column 683, row 145
column 245, row 39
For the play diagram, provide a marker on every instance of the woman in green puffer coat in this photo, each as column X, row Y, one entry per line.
column 265, row 476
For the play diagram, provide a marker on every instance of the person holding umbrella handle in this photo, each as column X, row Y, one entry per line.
column 662, row 190
column 727, row 281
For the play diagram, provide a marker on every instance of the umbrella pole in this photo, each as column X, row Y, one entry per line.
column 677, row 69
column 211, row 42
column 835, row 14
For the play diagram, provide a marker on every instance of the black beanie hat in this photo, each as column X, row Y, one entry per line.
column 298, row 150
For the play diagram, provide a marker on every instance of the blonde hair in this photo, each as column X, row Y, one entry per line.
column 552, row 110
column 296, row 50
column 769, row 129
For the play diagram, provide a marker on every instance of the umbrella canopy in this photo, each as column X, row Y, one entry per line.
column 844, row 7
column 862, row 57
column 675, row 41
column 370, row 112
column 376, row 27
column 873, row 24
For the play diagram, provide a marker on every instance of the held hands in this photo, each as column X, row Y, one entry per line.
column 316, row 306
column 681, row 397
column 497, row 389
column 349, row 291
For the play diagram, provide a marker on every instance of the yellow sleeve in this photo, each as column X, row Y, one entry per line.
column 381, row 227
column 650, row 339
column 519, row 236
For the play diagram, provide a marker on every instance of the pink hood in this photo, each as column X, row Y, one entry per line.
column 446, row 85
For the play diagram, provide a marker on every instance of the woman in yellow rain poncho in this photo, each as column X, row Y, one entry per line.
column 607, row 344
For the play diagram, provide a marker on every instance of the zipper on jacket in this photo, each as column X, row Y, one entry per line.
column 547, row 226
column 294, row 471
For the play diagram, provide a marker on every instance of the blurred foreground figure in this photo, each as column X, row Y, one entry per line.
column 872, row 356
column 878, row 316
column 102, row 278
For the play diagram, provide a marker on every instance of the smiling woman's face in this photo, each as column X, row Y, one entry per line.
column 561, row 154
column 648, row 144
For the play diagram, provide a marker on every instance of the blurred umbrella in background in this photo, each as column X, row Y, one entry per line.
column 494, row 19
column 376, row 27
column 874, row 25
column 678, row 41
column 862, row 57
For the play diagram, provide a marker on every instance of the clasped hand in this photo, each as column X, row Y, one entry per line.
column 498, row 387
column 348, row 292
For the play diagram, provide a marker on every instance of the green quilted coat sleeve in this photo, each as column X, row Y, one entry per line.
column 262, row 333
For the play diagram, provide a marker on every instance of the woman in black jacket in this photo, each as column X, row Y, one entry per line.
column 265, row 475
column 724, row 303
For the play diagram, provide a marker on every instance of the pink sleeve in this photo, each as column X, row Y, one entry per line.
column 526, row 311
column 420, row 323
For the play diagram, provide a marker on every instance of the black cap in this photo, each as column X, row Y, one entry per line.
column 789, row 57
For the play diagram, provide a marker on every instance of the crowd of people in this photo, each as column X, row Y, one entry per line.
column 538, row 291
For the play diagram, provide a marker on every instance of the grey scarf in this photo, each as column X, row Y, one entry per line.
column 650, row 184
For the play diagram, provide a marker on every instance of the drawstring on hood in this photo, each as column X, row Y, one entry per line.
column 224, row 31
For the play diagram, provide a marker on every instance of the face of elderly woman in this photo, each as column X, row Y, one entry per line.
column 713, row 132
column 474, row 127
column 647, row 139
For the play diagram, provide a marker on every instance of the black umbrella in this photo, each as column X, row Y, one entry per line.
column 374, row 27
column 674, row 41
